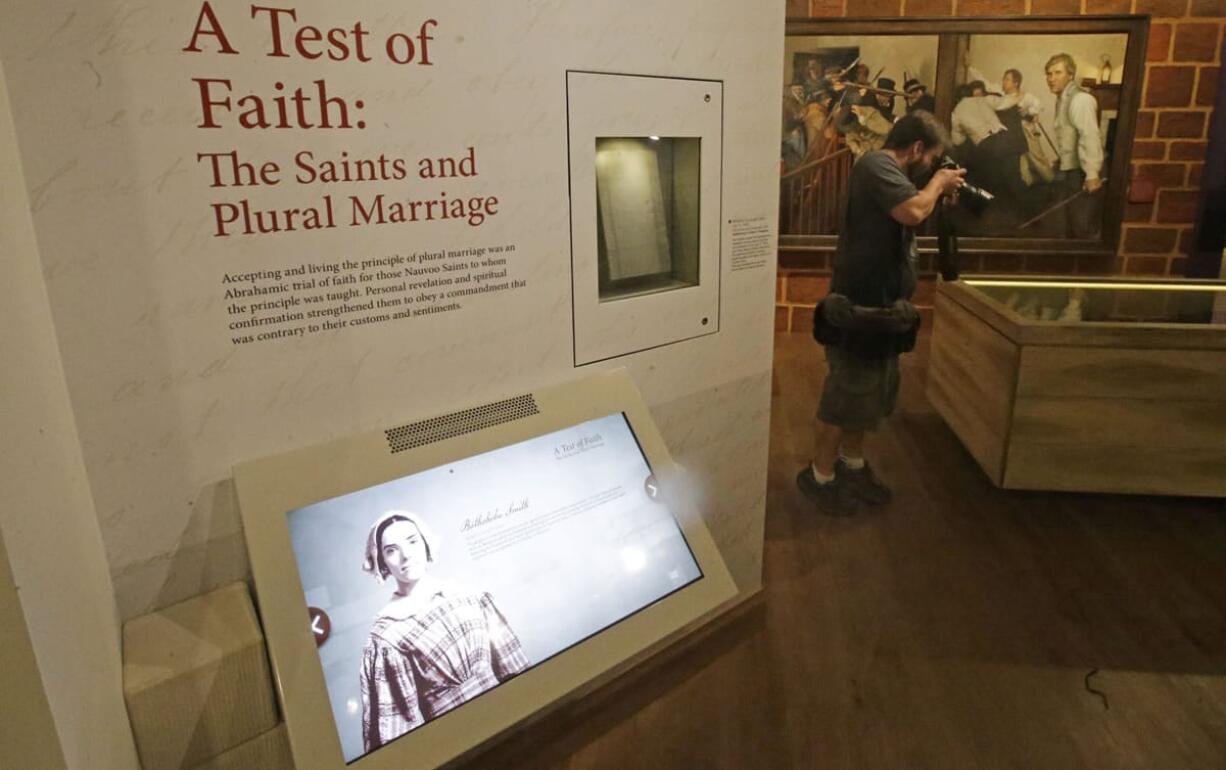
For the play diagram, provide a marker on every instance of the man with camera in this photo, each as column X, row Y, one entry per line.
column 866, row 320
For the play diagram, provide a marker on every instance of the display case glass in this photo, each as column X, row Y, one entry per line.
column 647, row 201
column 1111, row 302
column 1085, row 385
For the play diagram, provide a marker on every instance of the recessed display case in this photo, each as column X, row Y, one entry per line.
column 648, row 200
column 645, row 165
column 1085, row 385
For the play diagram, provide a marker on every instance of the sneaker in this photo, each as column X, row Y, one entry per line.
column 863, row 483
column 834, row 497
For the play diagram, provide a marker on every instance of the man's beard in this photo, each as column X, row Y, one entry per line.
column 919, row 171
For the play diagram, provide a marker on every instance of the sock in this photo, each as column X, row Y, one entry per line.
column 822, row 478
column 854, row 463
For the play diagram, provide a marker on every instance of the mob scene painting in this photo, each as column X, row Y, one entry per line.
column 1031, row 117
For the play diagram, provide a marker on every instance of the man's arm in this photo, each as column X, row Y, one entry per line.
column 1002, row 101
column 877, row 123
column 1030, row 106
column 916, row 209
column 1083, row 113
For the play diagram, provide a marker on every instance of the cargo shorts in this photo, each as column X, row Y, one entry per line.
column 859, row 393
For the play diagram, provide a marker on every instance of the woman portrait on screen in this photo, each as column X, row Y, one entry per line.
column 434, row 645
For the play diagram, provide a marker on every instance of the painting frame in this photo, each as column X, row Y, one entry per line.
column 950, row 31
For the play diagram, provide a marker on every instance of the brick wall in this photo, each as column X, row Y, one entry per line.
column 1181, row 73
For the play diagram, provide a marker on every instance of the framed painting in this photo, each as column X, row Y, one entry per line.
column 1040, row 111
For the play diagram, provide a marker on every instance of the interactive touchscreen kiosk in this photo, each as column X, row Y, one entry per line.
column 426, row 587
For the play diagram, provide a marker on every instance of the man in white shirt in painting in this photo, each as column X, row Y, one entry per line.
column 974, row 116
column 1008, row 92
column 993, row 151
column 1019, row 113
column 1024, row 110
column 1079, row 143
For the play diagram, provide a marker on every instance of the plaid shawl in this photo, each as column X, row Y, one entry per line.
column 420, row 667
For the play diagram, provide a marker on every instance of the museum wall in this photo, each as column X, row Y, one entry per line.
column 1181, row 79
column 47, row 523
column 27, row 727
column 126, row 122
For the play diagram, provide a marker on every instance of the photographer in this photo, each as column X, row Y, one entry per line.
column 874, row 269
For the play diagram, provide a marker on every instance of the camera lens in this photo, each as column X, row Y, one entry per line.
column 975, row 198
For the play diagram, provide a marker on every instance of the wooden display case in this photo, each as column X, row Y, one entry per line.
column 1083, row 385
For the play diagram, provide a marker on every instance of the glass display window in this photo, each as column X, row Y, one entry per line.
column 1111, row 302
column 648, row 201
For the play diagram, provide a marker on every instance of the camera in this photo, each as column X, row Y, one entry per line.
column 970, row 197
column 975, row 199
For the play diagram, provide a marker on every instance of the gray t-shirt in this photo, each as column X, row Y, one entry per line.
column 875, row 260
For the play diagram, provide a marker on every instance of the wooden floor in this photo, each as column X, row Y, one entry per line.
column 956, row 628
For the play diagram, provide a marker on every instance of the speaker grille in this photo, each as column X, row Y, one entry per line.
column 447, row 426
